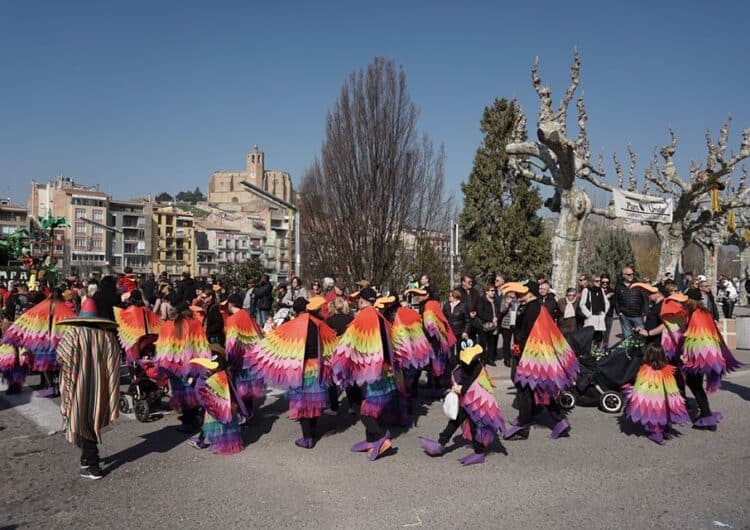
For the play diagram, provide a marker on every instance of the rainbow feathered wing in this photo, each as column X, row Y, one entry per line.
column 215, row 396
column 674, row 315
column 279, row 357
column 654, row 400
column 360, row 354
column 242, row 334
column 480, row 404
column 411, row 349
column 175, row 347
column 704, row 350
column 37, row 330
column 438, row 329
column 548, row 364
column 134, row 323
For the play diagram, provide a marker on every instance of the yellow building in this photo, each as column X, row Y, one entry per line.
column 173, row 241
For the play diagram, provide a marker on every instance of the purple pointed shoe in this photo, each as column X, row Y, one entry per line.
column 516, row 431
column 380, row 447
column 305, row 443
column 361, row 447
column 47, row 392
column 431, row 447
column 473, row 458
column 562, row 428
column 707, row 422
column 656, row 437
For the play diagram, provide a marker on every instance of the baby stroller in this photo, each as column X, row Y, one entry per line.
column 599, row 381
column 145, row 387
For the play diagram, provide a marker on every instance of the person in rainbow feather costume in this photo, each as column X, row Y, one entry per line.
column 134, row 323
column 296, row 356
column 704, row 354
column 36, row 331
column 243, row 335
column 221, row 431
column 364, row 357
column 479, row 413
column 181, row 340
column 412, row 352
column 654, row 400
column 547, row 364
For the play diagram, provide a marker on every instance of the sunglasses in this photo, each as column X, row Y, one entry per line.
column 581, row 279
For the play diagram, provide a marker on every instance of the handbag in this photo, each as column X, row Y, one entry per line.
column 450, row 405
column 489, row 327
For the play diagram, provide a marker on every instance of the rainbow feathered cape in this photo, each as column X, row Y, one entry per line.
column 674, row 316
column 704, row 350
column 280, row 356
column 411, row 349
column 654, row 400
column 480, row 404
column 133, row 323
column 438, row 329
column 37, row 330
column 180, row 342
column 364, row 349
column 221, row 424
column 548, row 364
column 243, row 335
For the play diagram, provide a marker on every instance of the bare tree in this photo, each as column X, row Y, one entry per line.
column 557, row 160
column 694, row 217
column 376, row 177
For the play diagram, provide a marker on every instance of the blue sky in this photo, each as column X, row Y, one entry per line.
column 145, row 97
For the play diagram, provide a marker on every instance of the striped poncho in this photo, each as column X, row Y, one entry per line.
column 89, row 381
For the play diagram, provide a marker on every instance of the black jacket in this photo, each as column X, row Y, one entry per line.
column 263, row 295
column 630, row 302
column 215, row 324
column 528, row 313
column 484, row 310
column 339, row 322
column 186, row 290
column 550, row 302
column 458, row 318
column 470, row 299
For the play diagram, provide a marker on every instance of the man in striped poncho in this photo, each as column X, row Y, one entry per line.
column 89, row 358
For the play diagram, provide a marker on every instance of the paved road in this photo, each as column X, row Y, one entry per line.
column 603, row 476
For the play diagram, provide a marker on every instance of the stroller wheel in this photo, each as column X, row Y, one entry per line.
column 611, row 402
column 567, row 400
column 123, row 404
column 142, row 410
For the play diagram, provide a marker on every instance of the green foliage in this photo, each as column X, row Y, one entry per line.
column 239, row 274
column 197, row 212
column 500, row 230
column 613, row 251
column 427, row 261
column 190, row 197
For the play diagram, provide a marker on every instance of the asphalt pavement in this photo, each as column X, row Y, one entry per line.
column 605, row 475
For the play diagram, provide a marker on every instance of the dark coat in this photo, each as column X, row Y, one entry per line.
column 263, row 295
column 484, row 310
column 458, row 318
column 630, row 302
column 550, row 302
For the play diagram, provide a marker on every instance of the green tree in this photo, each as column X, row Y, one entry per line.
column 240, row 273
column 500, row 230
column 427, row 261
column 613, row 251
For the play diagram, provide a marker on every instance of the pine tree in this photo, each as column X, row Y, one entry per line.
column 613, row 252
column 500, row 230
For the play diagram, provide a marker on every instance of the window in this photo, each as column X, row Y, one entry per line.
column 96, row 243
column 98, row 215
column 97, row 229
column 80, row 242
column 80, row 228
column 80, row 212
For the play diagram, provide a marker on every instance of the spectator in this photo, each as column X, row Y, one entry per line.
column 106, row 298
column 508, row 311
column 214, row 322
column 296, row 290
column 263, row 299
column 631, row 305
column 728, row 297
column 609, row 293
column 568, row 307
column 548, row 300
column 687, row 282
column 164, row 307
column 455, row 311
column 583, row 281
column 594, row 305
column 488, row 312
column 470, row 297
column 249, row 301
column 424, row 284
column 148, row 287
column 186, row 288
column 330, row 293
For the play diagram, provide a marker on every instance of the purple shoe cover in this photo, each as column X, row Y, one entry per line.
column 473, row 458
column 377, row 446
column 514, row 429
column 561, row 428
column 718, row 416
column 657, row 437
column 431, row 447
column 305, row 443
column 707, row 421
column 47, row 392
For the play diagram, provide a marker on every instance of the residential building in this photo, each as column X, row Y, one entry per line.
column 12, row 217
column 80, row 248
column 266, row 197
column 132, row 236
column 440, row 241
column 173, row 248
column 220, row 245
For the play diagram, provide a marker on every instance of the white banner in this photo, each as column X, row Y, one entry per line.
column 642, row 207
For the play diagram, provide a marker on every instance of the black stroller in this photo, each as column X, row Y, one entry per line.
column 599, row 381
column 145, row 386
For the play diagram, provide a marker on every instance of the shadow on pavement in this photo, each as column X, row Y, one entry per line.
column 263, row 420
column 741, row 391
column 160, row 441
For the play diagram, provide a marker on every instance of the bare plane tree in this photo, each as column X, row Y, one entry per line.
column 376, row 177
